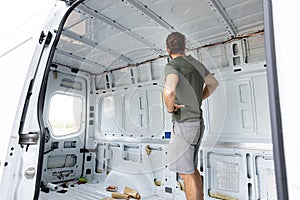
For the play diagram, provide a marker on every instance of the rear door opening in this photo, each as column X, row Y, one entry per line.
column 104, row 109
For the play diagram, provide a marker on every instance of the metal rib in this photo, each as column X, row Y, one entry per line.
column 79, row 58
column 144, row 9
column 219, row 10
column 91, row 43
column 120, row 27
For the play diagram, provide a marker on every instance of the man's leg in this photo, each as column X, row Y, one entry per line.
column 191, row 186
column 200, row 184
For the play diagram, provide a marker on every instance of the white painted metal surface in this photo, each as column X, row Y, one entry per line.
column 285, row 19
column 20, row 30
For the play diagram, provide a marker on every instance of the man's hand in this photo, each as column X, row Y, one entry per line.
column 176, row 107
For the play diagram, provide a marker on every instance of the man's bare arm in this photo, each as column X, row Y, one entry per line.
column 211, row 84
column 170, row 93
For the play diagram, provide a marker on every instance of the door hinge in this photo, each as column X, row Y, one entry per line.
column 48, row 38
column 30, row 138
column 43, row 36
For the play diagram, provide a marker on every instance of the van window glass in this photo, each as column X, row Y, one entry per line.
column 63, row 116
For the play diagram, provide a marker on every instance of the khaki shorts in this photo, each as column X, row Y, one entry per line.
column 184, row 146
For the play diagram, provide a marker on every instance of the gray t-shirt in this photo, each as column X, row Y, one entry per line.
column 191, row 74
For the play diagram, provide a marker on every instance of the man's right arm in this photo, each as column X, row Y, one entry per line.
column 170, row 93
column 211, row 84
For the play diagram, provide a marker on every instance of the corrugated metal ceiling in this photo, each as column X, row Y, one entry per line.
column 108, row 34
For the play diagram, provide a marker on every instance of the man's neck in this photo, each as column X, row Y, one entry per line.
column 175, row 55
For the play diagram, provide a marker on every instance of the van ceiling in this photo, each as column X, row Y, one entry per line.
column 104, row 35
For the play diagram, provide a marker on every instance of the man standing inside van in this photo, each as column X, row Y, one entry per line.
column 184, row 91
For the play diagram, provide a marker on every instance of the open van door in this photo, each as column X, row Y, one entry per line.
column 21, row 178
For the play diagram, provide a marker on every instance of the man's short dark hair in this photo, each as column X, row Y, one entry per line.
column 176, row 42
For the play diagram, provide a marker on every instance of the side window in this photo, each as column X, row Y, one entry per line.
column 65, row 113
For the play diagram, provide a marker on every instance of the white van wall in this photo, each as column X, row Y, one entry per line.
column 237, row 148
column 126, row 114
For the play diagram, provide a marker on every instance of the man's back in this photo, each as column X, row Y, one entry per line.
column 191, row 74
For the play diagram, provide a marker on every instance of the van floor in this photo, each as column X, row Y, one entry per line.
column 82, row 191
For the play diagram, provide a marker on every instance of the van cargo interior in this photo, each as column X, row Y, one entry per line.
column 108, row 127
